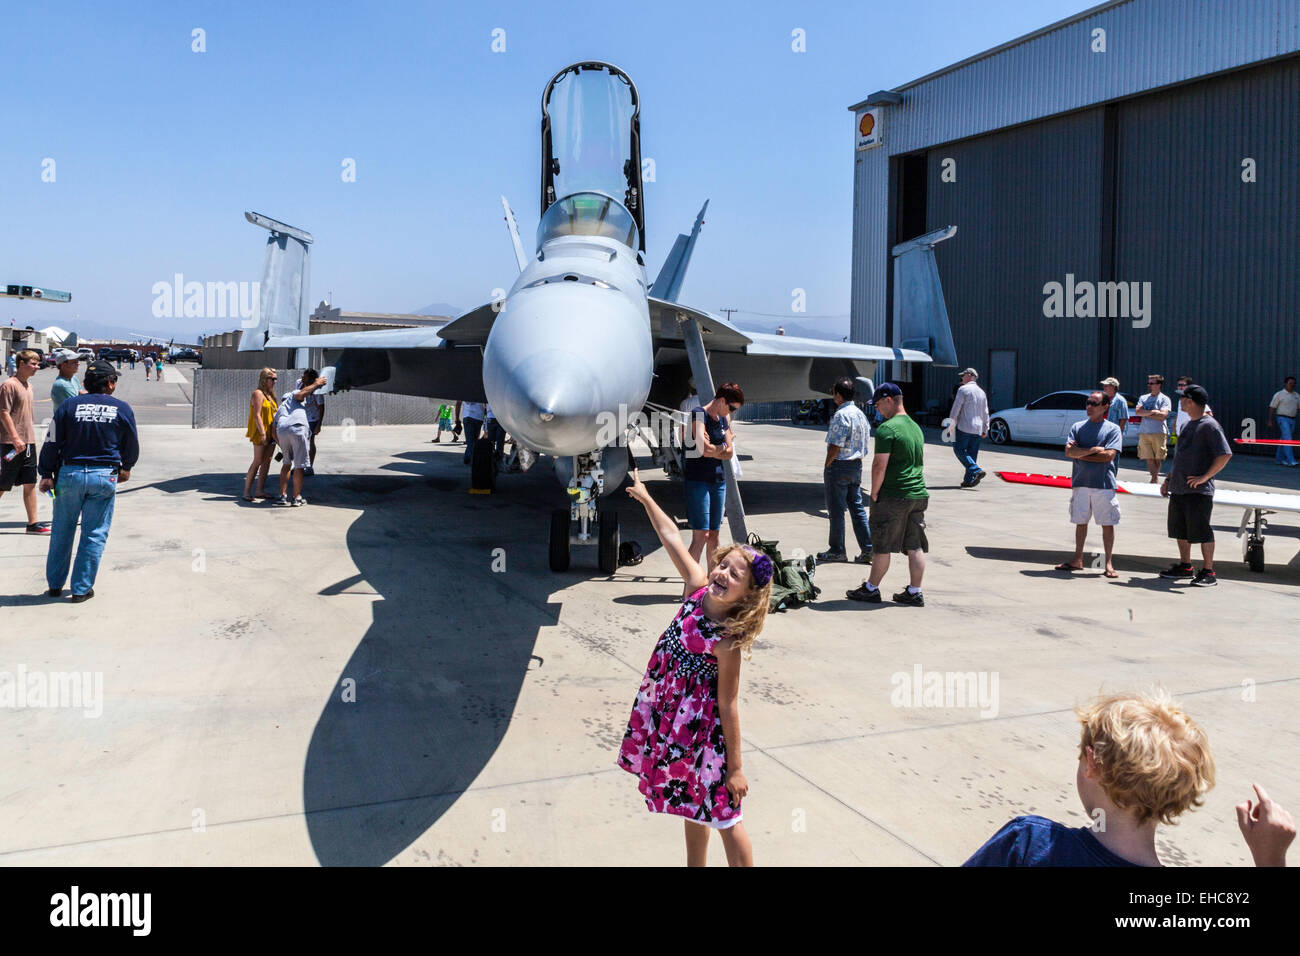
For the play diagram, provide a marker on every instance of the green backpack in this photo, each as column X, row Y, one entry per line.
column 791, row 580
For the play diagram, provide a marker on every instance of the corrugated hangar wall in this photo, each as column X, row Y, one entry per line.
column 1027, row 203
column 1223, row 255
column 1146, row 190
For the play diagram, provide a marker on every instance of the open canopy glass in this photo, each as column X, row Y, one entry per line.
column 591, row 142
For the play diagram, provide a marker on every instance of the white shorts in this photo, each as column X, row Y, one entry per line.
column 294, row 441
column 1099, row 504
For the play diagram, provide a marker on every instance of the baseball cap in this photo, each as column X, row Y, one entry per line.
column 969, row 371
column 99, row 373
column 887, row 390
column 1112, row 380
column 1197, row 394
column 59, row 356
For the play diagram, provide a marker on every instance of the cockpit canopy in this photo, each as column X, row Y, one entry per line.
column 588, row 214
column 591, row 140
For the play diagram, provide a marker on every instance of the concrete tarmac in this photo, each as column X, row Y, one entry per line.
column 392, row 675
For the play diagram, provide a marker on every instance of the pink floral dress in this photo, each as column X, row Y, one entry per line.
column 674, row 740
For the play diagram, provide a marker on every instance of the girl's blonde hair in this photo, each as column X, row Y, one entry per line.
column 261, row 382
column 745, row 621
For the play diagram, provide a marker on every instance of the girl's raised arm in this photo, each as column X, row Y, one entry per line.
column 687, row 567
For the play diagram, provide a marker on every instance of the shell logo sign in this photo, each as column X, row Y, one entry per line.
column 870, row 128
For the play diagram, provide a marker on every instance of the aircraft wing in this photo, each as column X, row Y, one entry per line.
column 1266, row 500
column 421, row 337
column 770, row 368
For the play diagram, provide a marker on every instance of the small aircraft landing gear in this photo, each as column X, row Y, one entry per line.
column 574, row 525
column 1252, row 526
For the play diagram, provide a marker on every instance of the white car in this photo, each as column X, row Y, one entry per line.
column 1048, row 419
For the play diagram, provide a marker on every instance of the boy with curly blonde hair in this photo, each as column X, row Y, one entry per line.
column 1142, row 762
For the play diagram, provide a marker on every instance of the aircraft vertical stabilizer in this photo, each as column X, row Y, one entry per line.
column 669, row 282
column 920, row 314
column 281, row 305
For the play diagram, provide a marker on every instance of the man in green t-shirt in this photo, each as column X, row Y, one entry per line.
column 898, row 499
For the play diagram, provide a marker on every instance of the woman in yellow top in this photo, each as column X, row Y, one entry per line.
column 261, row 412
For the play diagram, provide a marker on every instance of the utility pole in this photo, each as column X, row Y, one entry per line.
column 728, row 311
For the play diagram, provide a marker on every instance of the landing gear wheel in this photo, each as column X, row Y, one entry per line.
column 1255, row 556
column 560, row 539
column 999, row 433
column 607, row 553
column 482, row 470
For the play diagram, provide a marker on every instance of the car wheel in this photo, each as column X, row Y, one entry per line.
column 999, row 433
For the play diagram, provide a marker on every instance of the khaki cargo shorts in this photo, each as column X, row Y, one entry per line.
column 898, row 525
column 1153, row 446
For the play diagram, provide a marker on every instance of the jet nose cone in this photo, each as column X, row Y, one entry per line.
column 558, row 403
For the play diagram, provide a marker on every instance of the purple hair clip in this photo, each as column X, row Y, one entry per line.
column 762, row 565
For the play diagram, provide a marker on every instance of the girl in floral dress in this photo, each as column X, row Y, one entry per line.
column 683, row 738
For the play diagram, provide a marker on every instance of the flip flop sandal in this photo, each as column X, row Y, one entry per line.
column 1066, row 566
column 1110, row 574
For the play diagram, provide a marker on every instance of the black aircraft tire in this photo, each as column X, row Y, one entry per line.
column 560, row 539
column 1255, row 556
column 607, row 556
column 481, row 470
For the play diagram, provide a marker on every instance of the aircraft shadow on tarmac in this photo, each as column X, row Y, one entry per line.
column 439, row 671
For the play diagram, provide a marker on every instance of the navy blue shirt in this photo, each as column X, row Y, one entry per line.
column 699, row 468
column 1037, row 841
column 90, row 430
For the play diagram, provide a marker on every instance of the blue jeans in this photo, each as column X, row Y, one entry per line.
column 495, row 432
column 705, row 503
column 472, row 428
column 1285, row 453
column 86, row 492
column 967, row 448
column 843, row 481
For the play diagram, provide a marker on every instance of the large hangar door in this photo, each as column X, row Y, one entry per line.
column 1210, row 240
column 1027, row 206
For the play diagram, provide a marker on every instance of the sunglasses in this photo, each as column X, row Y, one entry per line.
column 1092, row 403
column 732, row 408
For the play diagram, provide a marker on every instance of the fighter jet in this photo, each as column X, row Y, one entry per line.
column 583, row 345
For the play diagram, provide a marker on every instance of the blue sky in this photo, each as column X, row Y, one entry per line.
column 159, row 150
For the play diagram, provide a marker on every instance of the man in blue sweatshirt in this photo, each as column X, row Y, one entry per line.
column 94, row 448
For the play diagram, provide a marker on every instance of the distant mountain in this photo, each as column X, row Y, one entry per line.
column 438, row 308
column 830, row 330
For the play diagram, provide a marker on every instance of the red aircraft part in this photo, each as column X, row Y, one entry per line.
column 1266, row 441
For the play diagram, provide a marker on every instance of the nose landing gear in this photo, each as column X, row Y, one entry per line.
column 573, row 525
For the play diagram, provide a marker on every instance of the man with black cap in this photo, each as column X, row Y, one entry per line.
column 1201, row 453
column 898, row 499
column 93, row 449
